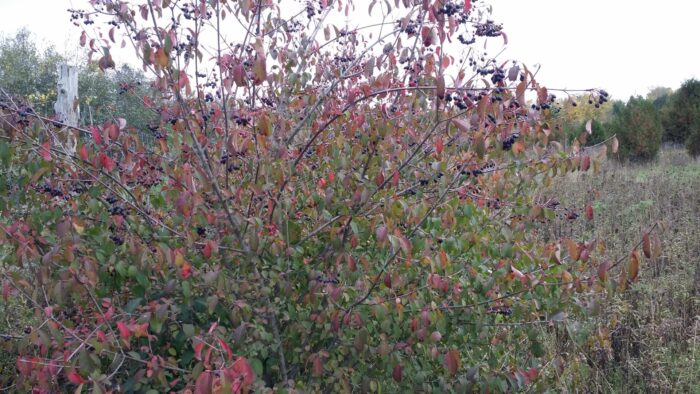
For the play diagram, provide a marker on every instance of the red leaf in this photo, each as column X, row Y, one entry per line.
column 585, row 163
column 46, row 150
column 387, row 280
column 427, row 35
column 589, row 212
column 107, row 162
column 5, row 290
column 646, row 245
column 186, row 270
column 83, row 38
column 111, row 130
column 239, row 75
column 207, row 250
column 204, row 383
column 84, row 153
column 226, row 347
column 439, row 146
column 381, row 233
column 395, row 179
column 379, row 180
column 317, row 366
column 634, row 266
column 467, row 5
column 123, row 330
column 259, row 70
column 397, row 374
column 75, row 378
column 96, row 135
column 244, row 370
column 452, row 361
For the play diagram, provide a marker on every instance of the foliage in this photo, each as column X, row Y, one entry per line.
column 27, row 72
column 638, row 127
column 598, row 132
column 659, row 96
column 576, row 111
column 30, row 73
column 122, row 93
column 320, row 211
column 682, row 114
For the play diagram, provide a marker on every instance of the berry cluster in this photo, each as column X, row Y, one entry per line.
column 490, row 166
column 508, row 142
column 310, row 10
column 450, row 8
column 411, row 27
column 600, row 100
column 241, row 121
column 465, row 41
column 76, row 15
column 498, row 75
column 326, row 280
column 500, row 310
column 190, row 12
column 488, row 29
column 46, row 188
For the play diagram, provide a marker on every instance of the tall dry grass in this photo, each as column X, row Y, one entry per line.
column 648, row 338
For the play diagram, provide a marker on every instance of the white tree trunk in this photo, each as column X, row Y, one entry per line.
column 66, row 107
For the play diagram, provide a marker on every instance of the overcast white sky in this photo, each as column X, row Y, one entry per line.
column 623, row 46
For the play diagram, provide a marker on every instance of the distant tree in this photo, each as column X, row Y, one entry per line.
column 116, row 94
column 659, row 96
column 28, row 72
column 638, row 127
column 576, row 111
column 682, row 115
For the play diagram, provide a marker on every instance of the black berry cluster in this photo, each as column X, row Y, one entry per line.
column 508, row 142
column 450, row 8
column 488, row 29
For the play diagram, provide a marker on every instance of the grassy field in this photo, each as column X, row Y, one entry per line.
column 647, row 339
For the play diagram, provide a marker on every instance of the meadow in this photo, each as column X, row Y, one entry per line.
column 646, row 339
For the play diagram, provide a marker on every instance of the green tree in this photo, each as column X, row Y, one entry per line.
column 121, row 93
column 28, row 72
column 681, row 116
column 638, row 127
column 659, row 96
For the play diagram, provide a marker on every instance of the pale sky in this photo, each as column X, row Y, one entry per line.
column 623, row 46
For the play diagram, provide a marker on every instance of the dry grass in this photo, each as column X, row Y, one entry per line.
column 647, row 339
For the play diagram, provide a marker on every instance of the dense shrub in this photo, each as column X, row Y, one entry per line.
column 638, row 127
column 681, row 116
column 320, row 211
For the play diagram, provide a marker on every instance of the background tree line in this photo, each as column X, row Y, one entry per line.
column 28, row 71
column 642, row 124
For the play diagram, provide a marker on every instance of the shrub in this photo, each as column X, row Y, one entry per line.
column 682, row 113
column 638, row 127
column 321, row 211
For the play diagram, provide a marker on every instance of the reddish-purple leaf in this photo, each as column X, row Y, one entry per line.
column 646, row 245
column 45, row 150
column 452, row 361
column 634, row 266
